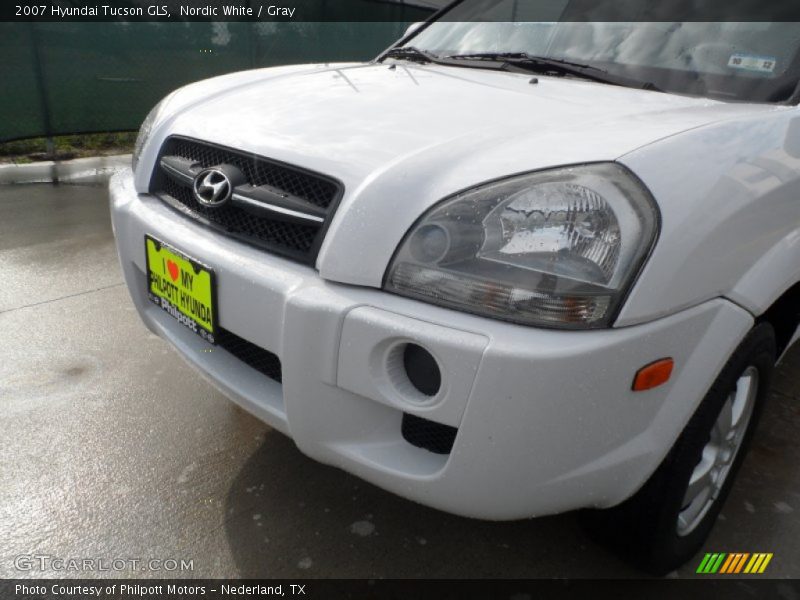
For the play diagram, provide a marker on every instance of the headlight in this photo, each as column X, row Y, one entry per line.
column 145, row 130
column 555, row 248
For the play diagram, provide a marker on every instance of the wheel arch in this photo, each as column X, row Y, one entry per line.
column 770, row 289
column 784, row 316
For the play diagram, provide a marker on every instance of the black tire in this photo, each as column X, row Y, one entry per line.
column 644, row 528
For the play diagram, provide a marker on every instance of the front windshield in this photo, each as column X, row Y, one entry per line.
column 744, row 61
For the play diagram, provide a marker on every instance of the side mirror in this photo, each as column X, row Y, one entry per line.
column 412, row 28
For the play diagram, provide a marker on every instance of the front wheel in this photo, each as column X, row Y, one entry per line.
column 666, row 522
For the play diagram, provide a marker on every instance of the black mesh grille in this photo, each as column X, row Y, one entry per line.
column 426, row 434
column 297, row 241
column 261, row 360
column 299, row 238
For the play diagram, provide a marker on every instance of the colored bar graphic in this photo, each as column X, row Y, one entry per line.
column 758, row 563
column 740, row 564
column 764, row 564
column 734, row 563
column 711, row 563
column 749, row 566
column 718, row 564
column 726, row 566
column 704, row 564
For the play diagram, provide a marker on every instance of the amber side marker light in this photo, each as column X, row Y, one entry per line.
column 653, row 375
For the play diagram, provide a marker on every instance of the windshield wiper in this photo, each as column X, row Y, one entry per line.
column 519, row 60
column 412, row 54
column 541, row 64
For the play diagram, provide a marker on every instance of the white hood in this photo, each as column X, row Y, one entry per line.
column 401, row 138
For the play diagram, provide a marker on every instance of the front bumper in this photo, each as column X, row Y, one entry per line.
column 547, row 421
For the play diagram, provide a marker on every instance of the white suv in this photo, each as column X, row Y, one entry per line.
column 504, row 270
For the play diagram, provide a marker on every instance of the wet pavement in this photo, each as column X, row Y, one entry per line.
column 113, row 448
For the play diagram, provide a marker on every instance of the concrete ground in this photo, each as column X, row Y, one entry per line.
column 113, row 448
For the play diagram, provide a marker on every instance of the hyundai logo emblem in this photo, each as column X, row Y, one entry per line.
column 212, row 188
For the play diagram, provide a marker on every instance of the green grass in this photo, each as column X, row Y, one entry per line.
column 67, row 147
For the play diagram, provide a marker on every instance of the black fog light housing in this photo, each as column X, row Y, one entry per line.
column 422, row 370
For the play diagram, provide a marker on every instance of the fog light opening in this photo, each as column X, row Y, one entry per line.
column 422, row 370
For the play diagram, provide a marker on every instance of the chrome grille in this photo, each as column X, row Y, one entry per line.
column 258, row 222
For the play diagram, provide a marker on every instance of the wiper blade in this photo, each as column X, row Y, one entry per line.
column 541, row 64
column 412, row 54
column 519, row 60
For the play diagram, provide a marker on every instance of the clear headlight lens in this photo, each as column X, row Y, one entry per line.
column 556, row 248
column 144, row 131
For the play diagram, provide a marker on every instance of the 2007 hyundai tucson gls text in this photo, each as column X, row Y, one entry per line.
column 506, row 269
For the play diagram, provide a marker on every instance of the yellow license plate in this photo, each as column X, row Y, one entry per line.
column 182, row 286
